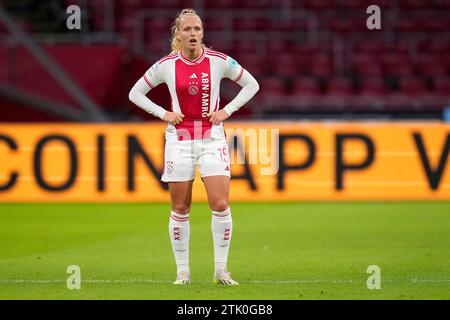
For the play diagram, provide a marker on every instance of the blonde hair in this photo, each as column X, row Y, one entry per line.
column 175, row 43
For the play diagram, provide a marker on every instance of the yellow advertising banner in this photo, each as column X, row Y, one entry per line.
column 270, row 161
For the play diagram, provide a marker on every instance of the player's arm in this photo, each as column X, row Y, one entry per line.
column 249, row 86
column 138, row 93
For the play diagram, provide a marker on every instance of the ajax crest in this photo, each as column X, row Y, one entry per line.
column 193, row 90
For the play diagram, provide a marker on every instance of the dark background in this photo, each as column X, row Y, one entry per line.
column 314, row 59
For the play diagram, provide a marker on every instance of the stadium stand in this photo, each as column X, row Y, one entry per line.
column 310, row 56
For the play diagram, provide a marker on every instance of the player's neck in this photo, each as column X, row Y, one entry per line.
column 192, row 54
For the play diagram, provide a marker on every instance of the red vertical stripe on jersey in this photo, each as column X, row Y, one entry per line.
column 193, row 88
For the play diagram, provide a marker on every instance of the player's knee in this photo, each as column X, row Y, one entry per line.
column 219, row 205
column 181, row 208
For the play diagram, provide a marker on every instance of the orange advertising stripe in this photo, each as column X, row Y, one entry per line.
column 271, row 161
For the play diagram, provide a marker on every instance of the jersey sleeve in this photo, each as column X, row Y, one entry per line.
column 154, row 75
column 233, row 69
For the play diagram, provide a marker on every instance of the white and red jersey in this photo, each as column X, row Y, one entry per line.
column 194, row 88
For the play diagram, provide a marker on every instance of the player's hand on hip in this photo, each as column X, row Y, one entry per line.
column 173, row 117
column 217, row 117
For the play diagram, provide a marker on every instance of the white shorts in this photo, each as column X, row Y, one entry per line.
column 180, row 158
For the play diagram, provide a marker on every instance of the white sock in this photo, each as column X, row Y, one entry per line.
column 221, row 227
column 179, row 232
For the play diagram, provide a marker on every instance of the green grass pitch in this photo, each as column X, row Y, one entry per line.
column 278, row 251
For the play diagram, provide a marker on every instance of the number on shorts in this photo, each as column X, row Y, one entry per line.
column 223, row 154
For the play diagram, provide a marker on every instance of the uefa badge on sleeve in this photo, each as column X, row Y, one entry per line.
column 233, row 62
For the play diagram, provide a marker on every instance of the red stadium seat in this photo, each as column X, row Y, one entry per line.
column 245, row 24
column 402, row 47
column 158, row 24
column 124, row 24
column 442, row 86
column 321, row 66
column 4, row 64
column 414, row 4
column 407, row 25
column 398, row 102
column 283, row 25
column 305, row 85
column 214, row 25
column 366, row 64
column 303, row 63
column 316, row 4
column 256, row 65
column 361, row 4
column 221, row 45
column 126, row 3
column 321, row 70
column 258, row 70
column 219, row 4
column 436, row 25
column 398, row 65
column 276, row 46
column 371, row 47
column 372, row 86
column 340, row 86
column 260, row 4
column 368, row 70
column 353, row 4
column 443, row 4
column 364, row 58
column 429, row 65
column 273, row 86
column 161, row 4
column 241, row 47
column 247, row 58
column 346, row 25
column 439, row 47
column 287, row 68
column 403, row 69
column 393, row 58
column 413, row 86
column 303, row 48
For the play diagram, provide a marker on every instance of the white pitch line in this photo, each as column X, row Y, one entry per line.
column 153, row 281
column 83, row 281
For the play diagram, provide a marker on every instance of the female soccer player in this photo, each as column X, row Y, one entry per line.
column 195, row 135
